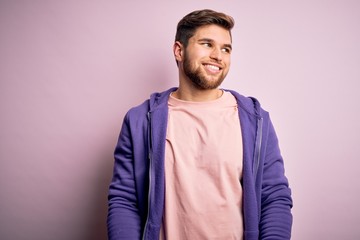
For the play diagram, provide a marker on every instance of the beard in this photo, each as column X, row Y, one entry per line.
column 199, row 78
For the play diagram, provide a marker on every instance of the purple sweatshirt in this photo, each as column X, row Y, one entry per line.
column 137, row 190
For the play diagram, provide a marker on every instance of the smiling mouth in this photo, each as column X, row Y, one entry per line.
column 212, row 68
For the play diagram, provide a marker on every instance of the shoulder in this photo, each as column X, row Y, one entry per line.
column 138, row 112
column 250, row 104
column 155, row 101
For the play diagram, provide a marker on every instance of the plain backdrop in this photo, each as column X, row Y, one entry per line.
column 69, row 71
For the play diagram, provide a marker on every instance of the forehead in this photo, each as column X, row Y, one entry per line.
column 213, row 32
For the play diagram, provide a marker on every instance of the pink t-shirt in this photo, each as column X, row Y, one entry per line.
column 203, row 167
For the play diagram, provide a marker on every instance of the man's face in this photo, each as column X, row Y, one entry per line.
column 206, row 59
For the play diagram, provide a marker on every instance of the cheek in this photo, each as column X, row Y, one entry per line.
column 198, row 53
column 227, row 60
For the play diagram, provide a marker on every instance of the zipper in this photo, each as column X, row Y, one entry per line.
column 258, row 146
column 150, row 163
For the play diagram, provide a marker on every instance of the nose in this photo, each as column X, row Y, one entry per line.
column 216, row 54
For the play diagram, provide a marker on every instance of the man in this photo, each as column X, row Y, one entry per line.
column 197, row 161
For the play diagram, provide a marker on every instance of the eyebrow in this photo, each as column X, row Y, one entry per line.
column 211, row 41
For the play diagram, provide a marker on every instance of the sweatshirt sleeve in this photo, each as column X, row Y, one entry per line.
column 276, row 201
column 123, row 221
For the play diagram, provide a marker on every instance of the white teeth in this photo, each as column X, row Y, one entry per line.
column 213, row 67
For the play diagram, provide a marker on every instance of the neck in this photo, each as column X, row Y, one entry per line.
column 196, row 95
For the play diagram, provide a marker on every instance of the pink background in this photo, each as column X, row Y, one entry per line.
column 69, row 70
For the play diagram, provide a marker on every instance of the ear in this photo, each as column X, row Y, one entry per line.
column 178, row 51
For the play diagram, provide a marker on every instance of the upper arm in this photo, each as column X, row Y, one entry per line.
column 123, row 216
column 276, row 201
